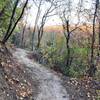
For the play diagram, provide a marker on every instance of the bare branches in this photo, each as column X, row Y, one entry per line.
column 92, row 69
column 36, row 21
column 47, row 13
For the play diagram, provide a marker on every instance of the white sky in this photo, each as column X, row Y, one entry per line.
column 55, row 19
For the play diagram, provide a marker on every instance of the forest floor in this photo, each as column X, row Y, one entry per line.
column 15, row 82
column 22, row 78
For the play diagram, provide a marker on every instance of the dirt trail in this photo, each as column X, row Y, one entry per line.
column 50, row 87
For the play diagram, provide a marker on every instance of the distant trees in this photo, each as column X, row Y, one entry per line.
column 48, row 13
column 36, row 21
column 66, row 17
column 23, row 28
column 65, row 13
column 41, row 19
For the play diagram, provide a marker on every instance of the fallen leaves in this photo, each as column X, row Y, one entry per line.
column 81, row 88
column 3, row 63
column 24, row 91
column 15, row 76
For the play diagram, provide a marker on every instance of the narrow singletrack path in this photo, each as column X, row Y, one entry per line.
column 50, row 87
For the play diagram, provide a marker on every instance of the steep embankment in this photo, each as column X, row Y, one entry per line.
column 15, row 82
column 50, row 85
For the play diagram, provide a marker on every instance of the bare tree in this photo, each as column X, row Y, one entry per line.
column 22, row 42
column 36, row 21
column 65, row 15
column 98, row 19
column 22, row 37
column 93, row 68
column 99, row 39
column 48, row 13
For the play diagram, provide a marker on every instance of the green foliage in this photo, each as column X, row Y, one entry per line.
column 53, row 51
column 83, row 52
column 6, row 7
column 56, row 53
column 80, row 62
column 77, row 69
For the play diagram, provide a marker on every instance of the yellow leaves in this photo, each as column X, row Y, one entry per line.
column 86, row 86
column 6, row 76
column 23, row 94
column 8, row 61
column 23, row 90
column 11, row 81
column 29, row 83
column 88, row 95
column 15, row 76
column 2, row 63
column 21, row 98
column 73, row 81
column 7, row 95
column 10, row 65
column 24, row 71
column 25, row 81
column 16, row 80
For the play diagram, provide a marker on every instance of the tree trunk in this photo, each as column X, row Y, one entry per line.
column 22, row 38
column 99, row 40
column 10, row 31
column 93, row 68
column 67, row 44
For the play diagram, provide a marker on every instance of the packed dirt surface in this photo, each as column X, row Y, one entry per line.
column 50, row 85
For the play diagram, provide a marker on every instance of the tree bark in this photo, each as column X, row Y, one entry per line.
column 93, row 68
column 11, row 20
column 9, row 33
column 35, row 26
column 99, row 40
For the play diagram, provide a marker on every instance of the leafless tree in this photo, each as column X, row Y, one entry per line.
column 93, row 68
column 22, row 42
column 22, row 37
column 65, row 16
column 98, row 20
column 99, row 39
column 48, row 13
column 36, row 20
